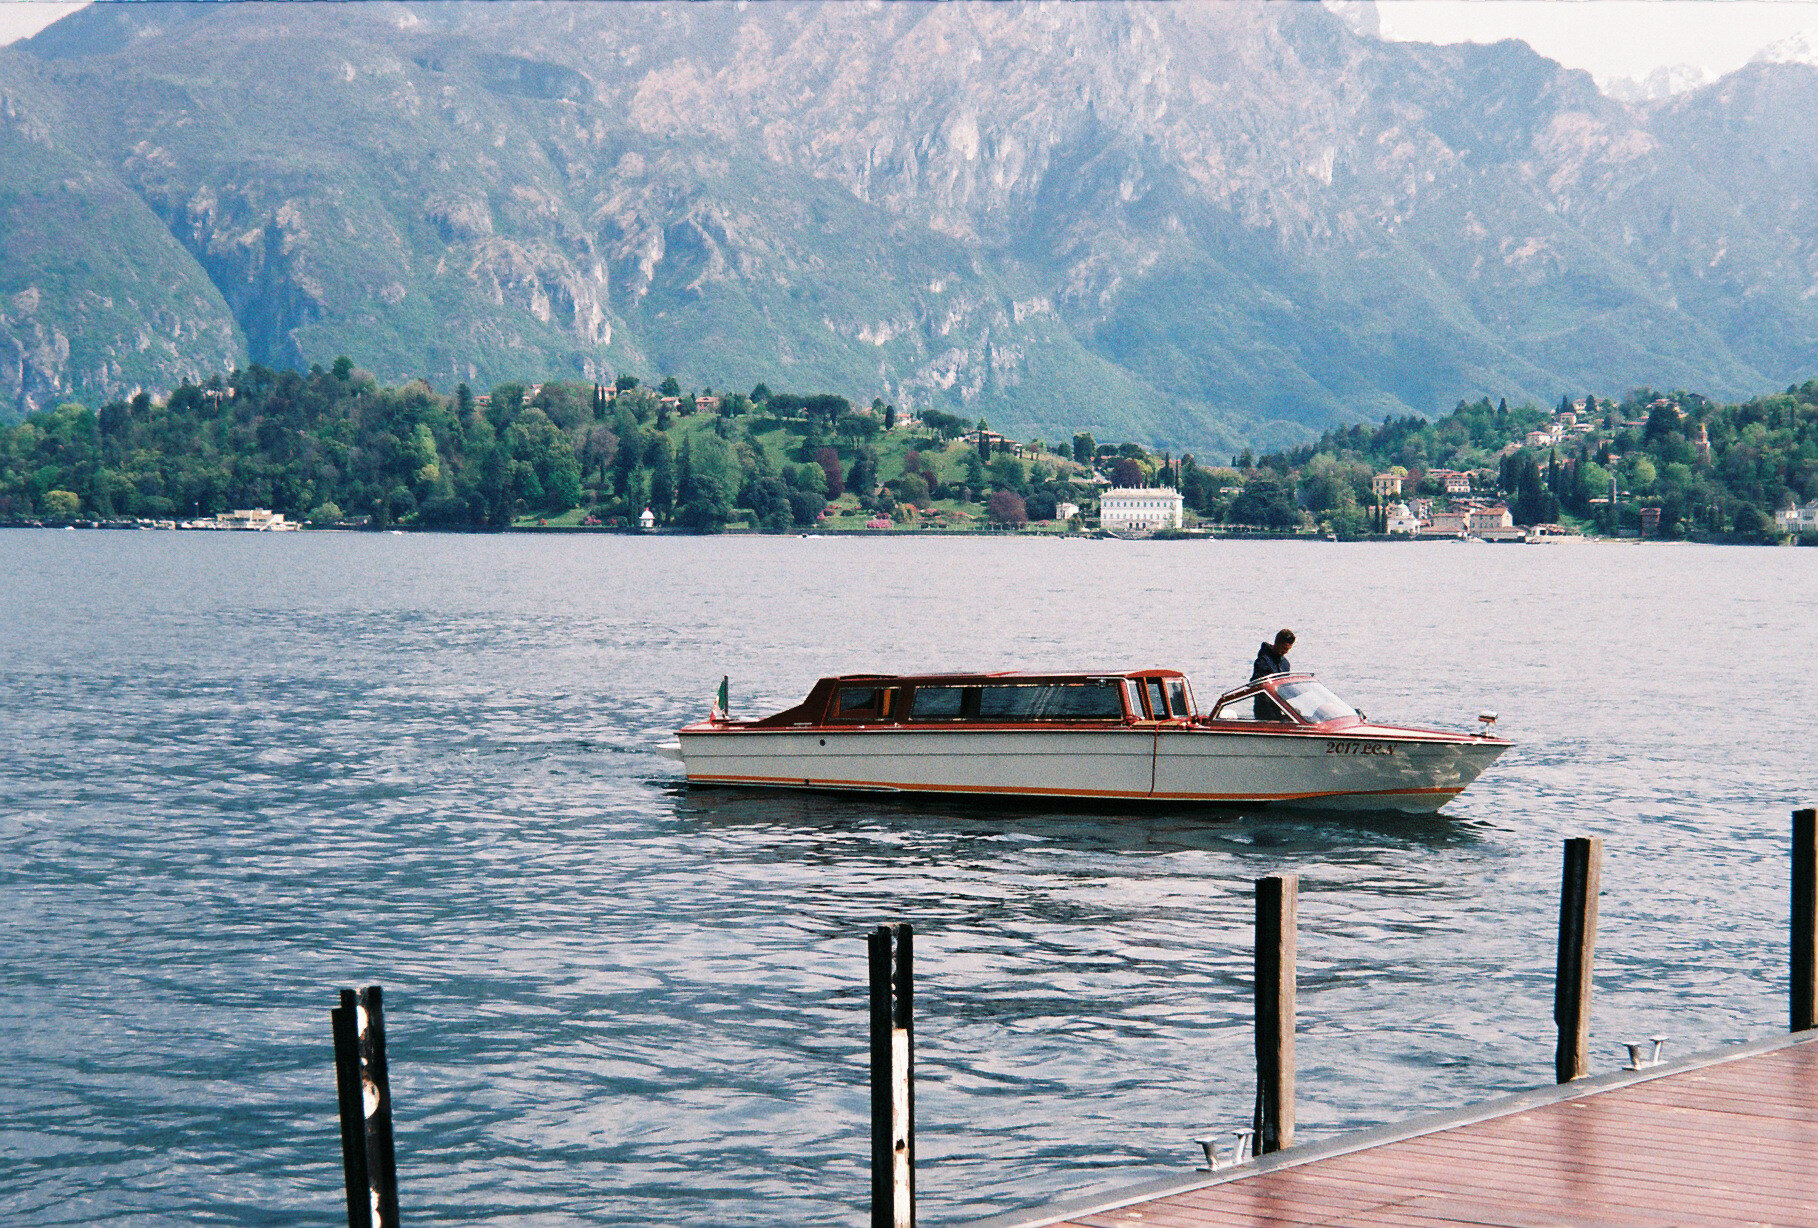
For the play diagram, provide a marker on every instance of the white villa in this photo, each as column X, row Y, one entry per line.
column 1141, row 509
column 256, row 519
column 1798, row 519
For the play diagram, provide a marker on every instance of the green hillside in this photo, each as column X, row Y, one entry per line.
column 335, row 447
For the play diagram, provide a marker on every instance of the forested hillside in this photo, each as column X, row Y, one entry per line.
column 336, row 447
column 1714, row 470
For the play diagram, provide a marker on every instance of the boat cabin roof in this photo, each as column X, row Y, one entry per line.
column 1006, row 696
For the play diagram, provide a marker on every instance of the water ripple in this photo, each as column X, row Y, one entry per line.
column 247, row 771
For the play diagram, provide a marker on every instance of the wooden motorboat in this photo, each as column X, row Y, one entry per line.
column 1284, row 740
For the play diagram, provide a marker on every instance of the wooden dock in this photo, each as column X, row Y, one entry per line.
column 1727, row 1137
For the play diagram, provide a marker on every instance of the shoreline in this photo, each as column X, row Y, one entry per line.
column 1191, row 535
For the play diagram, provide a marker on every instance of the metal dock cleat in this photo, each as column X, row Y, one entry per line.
column 1636, row 1061
column 1243, row 1147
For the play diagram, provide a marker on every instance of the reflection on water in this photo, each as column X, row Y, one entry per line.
column 1081, row 825
column 247, row 772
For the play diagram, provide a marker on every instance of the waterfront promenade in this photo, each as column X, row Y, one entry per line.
column 1728, row 1137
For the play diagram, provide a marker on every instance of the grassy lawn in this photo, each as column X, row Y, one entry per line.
column 566, row 520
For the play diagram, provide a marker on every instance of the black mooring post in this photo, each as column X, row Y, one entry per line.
column 353, row 1110
column 1277, row 918
column 891, row 949
column 1804, row 997
column 381, row 1159
column 1580, row 882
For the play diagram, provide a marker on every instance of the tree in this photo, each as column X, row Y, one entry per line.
column 862, row 480
column 669, row 388
column 662, row 462
column 60, row 505
column 889, row 417
column 806, row 506
column 1007, row 472
column 1328, row 485
column 563, row 487
column 912, row 488
column 709, row 479
column 1085, row 448
column 945, row 425
column 975, row 470
column 1007, row 508
column 1127, row 473
column 829, row 461
column 598, row 448
column 1267, row 502
column 1663, row 423
column 1534, row 504
column 768, row 499
column 551, row 476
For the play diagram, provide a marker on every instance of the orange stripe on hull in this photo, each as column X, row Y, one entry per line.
column 798, row 782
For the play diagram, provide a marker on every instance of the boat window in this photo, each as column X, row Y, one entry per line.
column 853, row 699
column 853, row 703
column 1237, row 710
column 1133, row 696
column 1095, row 699
column 1158, row 703
column 936, row 703
column 1178, row 702
column 1314, row 702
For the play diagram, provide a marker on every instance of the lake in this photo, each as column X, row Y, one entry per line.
column 245, row 770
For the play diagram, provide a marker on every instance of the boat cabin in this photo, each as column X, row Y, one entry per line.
column 1150, row 696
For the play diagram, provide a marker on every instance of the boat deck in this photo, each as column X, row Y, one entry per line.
column 1724, row 1138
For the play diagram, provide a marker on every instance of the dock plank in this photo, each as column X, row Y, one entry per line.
column 1726, row 1138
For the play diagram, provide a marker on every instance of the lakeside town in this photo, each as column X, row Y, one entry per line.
column 279, row 451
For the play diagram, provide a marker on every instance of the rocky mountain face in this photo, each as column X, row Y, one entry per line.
column 1197, row 224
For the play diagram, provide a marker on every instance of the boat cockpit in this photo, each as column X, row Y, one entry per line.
column 1292, row 699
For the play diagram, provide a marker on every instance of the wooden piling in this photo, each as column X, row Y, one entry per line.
column 381, row 1159
column 1277, row 918
column 353, row 1111
column 1580, row 883
column 892, row 1077
column 1803, row 998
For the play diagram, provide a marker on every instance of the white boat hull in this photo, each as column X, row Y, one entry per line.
column 1370, row 768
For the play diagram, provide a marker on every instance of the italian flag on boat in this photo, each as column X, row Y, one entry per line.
column 719, row 702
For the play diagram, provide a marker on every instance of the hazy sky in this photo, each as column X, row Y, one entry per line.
column 19, row 18
column 1611, row 38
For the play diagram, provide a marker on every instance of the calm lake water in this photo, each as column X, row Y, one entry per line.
column 243, row 771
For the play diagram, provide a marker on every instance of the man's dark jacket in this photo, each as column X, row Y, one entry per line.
column 1268, row 661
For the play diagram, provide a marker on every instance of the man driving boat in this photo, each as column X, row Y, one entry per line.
column 1272, row 658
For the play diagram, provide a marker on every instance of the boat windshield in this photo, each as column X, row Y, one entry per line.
column 1314, row 702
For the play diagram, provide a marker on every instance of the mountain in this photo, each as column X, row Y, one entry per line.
column 1193, row 224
